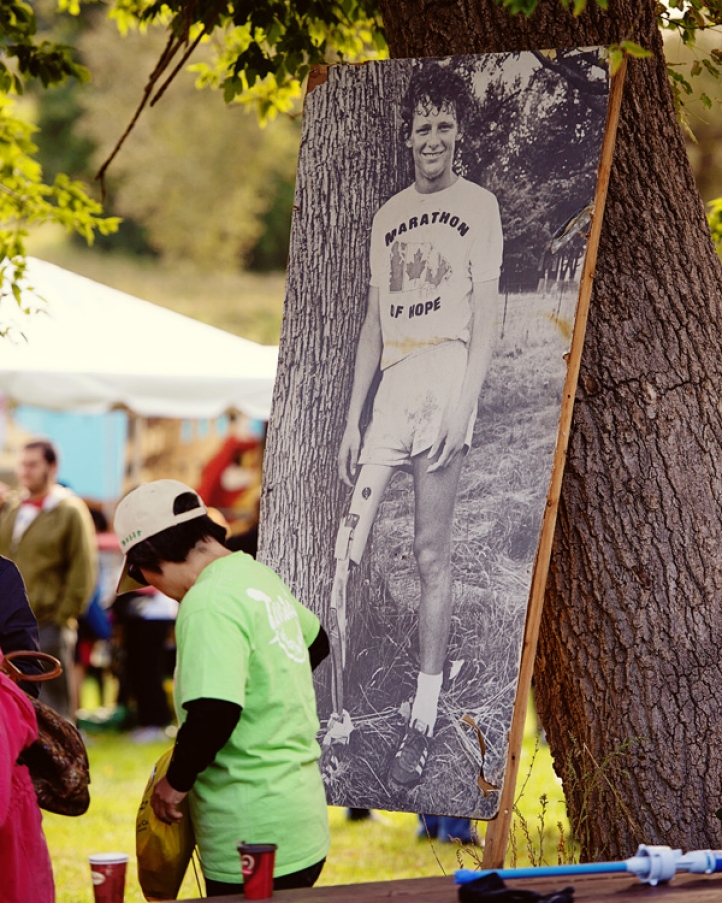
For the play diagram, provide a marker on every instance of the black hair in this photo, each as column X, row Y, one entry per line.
column 434, row 87
column 175, row 543
column 49, row 451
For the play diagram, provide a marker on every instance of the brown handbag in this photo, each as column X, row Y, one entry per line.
column 57, row 760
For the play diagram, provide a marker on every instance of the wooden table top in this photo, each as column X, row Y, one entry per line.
column 613, row 888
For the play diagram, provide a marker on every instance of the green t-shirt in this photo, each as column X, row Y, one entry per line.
column 242, row 637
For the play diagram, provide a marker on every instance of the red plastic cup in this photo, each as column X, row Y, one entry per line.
column 257, row 861
column 108, row 873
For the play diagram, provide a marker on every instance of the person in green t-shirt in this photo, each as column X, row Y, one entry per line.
column 246, row 750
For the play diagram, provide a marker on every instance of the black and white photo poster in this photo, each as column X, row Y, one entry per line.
column 439, row 232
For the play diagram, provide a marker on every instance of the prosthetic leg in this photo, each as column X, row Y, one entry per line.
column 350, row 544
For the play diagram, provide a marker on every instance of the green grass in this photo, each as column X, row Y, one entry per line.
column 382, row 849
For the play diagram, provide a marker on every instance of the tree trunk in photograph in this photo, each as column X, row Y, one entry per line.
column 632, row 629
column 323, row 311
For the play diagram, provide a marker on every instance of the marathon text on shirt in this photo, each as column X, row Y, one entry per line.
column 426, row 219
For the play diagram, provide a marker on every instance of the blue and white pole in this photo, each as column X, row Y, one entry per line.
column 651, row 864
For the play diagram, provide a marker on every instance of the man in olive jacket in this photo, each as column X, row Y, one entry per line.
column 48, row 532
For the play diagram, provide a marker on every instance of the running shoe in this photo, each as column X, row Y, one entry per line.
column 409, row 762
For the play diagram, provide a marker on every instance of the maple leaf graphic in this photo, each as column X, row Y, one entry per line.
column 416, row 266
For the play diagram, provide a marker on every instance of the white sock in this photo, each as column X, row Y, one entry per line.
column 426, row 701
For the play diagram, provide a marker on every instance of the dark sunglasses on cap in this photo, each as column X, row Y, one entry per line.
column 135, row 572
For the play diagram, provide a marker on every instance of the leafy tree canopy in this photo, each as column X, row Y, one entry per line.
column 262, row 50
column 25, row 198
column 266, row 47
column 210, row 200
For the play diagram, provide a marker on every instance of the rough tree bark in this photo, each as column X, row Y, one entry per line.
column 629, row 648
column 303, row 498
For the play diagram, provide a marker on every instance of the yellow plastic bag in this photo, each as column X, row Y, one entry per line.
column 163, row 851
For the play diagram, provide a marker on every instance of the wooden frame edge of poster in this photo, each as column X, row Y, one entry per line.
column 498, row 828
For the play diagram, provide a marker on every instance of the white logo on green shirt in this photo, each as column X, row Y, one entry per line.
column 283, row 621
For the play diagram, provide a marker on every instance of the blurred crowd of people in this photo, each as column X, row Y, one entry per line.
column 60, row 566
column 59, row 569
column 70, row 561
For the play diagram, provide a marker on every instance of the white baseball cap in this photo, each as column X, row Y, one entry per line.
column 146, row 511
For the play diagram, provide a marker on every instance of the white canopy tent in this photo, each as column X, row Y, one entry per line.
column 92, row 349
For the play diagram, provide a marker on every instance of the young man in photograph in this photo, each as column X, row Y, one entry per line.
column 436, row 253
column 246, row 751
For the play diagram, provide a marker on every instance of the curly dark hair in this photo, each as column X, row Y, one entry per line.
column 435, row 87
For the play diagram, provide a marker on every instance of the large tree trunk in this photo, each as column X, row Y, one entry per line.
column 629, row 648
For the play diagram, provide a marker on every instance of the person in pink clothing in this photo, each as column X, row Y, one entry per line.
column 26, row 872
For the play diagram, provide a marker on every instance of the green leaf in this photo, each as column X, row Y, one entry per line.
column 634, row 50
column 525, row 7
column 679, row 80
column 232, row 87
column 714, row 217
column 616, row 58
column 274, row 33
column 7, row 81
